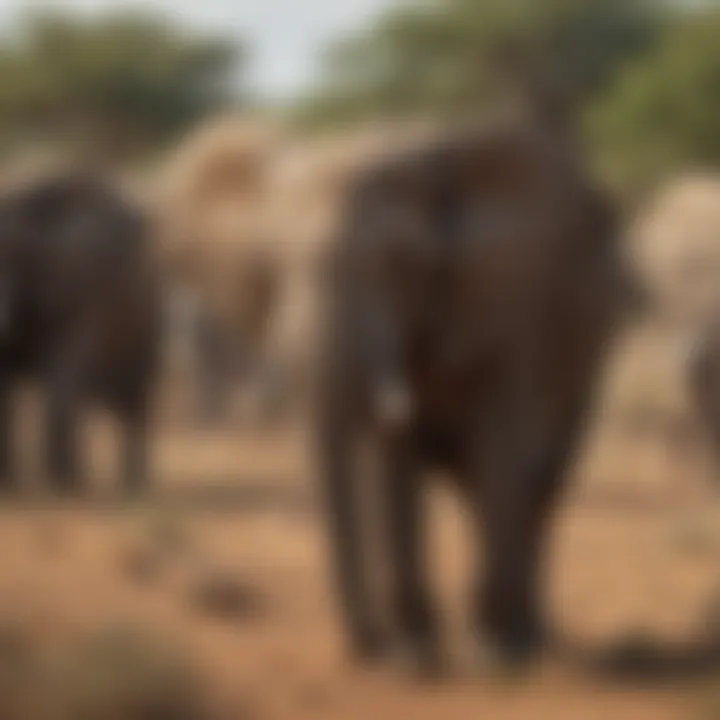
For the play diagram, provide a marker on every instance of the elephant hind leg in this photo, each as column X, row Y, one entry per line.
column 413, row 609
column 62, row 436
column 337, row 474
column 517, row 508
column 133, row 408
column 134, row 460
column 212, row 371
column 6, row 436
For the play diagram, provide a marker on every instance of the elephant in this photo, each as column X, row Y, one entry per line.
column 81, row 315
column 471, row 295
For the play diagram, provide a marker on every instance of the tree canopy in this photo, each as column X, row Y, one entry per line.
column 124, row 78
column 662, row 114
column 641, row 78
column 450, row 55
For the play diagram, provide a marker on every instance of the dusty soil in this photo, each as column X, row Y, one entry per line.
column 633, row 580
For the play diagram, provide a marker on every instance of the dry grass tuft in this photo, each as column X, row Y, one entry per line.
column 223, row 594
column 141, row 564
column 168, row 533
column 123, row 674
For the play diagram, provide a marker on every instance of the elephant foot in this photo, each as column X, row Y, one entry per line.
column 369, row 646
column 421, row 660
column 511, row 655
column 134, row 492
column 9, row 489
column 66, row 485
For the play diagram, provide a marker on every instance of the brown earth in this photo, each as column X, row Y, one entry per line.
column 228, row 559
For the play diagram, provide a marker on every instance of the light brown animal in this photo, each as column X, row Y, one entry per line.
column 677, row 244
column 215, row 249
column 247, row 219
column 310, row 180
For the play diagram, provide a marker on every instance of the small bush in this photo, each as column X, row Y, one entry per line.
column 169, row 533
column 141, row 564
column 123, row 675
column 222, row 594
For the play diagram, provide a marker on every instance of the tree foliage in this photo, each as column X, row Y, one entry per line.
column 450, row 55
column 120, row 78
column 662, row 114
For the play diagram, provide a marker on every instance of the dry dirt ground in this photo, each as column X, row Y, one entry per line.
column 228, row 559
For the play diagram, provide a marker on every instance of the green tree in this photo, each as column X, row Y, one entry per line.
column 663, row 112
column 449, row 55
column 121, row 79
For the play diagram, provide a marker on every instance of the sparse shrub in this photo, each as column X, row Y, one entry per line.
column 141, row 564
column 221, row 593
column 154, row 544
column 168, row 533
column 638, row 656
column 128, row 675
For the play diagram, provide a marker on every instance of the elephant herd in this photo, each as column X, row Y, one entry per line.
column 454, row 298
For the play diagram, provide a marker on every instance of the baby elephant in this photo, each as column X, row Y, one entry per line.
column 79, row 313
column 472, row 293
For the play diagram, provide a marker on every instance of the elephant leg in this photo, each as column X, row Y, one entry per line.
column 62, row 432
column 134, row 458
column 517, row 497
column 508, row 605
column 211, row 368
column 506, row 598
column 6, row 436
column 346, row 546
column 272, row 388
column 413, row 610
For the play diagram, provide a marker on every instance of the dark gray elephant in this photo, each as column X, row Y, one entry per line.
column 473, row 289
column 80, row 314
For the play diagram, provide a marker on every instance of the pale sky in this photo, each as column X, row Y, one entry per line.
column 285, row 35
